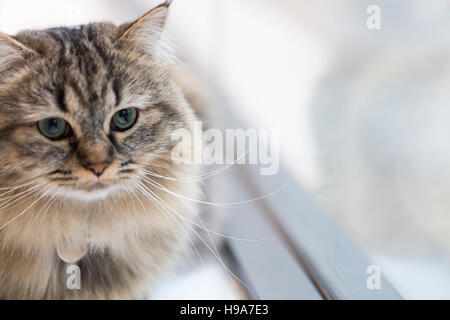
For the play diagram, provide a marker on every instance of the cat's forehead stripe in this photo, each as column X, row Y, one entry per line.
column 83, row 65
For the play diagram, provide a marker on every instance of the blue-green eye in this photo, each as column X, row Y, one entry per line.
column 54, row 128
column 124, row 120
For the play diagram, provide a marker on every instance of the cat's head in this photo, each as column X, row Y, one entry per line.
column 83, row 110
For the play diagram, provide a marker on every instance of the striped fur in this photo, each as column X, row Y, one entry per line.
column 84, row 75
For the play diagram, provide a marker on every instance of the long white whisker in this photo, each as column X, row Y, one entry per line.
column 22, row 213
column 216, row 204
column 13, row 196
column 47, row 202
column 128, row 190
column 206, row 175
column 202, row 240
column 47, row 206
column 206, row 229
column 11, row 189
column 166, row 214
column 209, row 235
column 22, row 195
column 27, row 183
column 58, row 195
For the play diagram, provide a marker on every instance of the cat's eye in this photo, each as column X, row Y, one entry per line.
column 124, row 120
column 54, row 128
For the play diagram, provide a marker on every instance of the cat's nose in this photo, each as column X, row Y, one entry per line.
column 98, row 168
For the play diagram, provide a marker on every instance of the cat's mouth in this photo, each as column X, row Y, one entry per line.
column 97, row 186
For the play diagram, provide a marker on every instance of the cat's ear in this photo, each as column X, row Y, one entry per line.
column 12, row 50
column 146, row 33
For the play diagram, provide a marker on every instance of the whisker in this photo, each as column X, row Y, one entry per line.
column 47, row 206
column 129, row 193
column 218, row 257
column 25, row 183
column 21, row 195
column 167, row 214
column 10, row 189
column 215, row 204
column 209, row 234
column 197, row 225
column 22, row 213
column 56, row 198
column 205, row 175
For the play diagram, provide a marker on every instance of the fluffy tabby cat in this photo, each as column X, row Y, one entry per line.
column 86, row 116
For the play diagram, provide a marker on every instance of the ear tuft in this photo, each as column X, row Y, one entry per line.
column 167, row 3
column 11, row 51
column 8, row 45
column 146, row 34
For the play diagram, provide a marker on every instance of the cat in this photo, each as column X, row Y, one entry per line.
column 86, row 116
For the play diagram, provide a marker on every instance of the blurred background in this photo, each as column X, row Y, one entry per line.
column 363, row 114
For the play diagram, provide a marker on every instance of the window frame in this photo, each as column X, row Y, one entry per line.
column 334, row 264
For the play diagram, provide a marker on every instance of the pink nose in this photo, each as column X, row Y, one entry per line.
column 98, row 168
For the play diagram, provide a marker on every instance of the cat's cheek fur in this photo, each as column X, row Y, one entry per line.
column 130, row 247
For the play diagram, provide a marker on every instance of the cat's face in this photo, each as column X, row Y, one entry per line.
column 84, row 110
